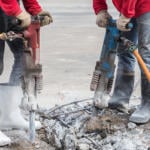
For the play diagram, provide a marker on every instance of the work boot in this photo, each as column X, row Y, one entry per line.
column 10, row 115
column 122, row 91
column 4, row 139
column 142, row 114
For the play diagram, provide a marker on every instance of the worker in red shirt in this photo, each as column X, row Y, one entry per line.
column 11, row 117
column 12, row 8
column 137, row 12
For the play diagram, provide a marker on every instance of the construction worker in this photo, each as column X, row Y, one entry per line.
column 33, row 8
column 137, row 12
column 11, row 93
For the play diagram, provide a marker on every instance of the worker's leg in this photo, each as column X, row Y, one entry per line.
column 11, row 116
column 125, row 74
column 16, row 47
column 3, row 27
column 4, row 140
column 12, row 96
column 9, row 106
column 142, row 114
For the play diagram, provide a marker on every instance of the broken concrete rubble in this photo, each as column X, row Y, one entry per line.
column 20, row 141
column 74, row 127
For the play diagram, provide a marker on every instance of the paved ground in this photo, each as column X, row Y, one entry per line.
column 69, row 49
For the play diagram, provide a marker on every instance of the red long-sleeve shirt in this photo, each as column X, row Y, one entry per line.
column 12, row 8
column 129, row 8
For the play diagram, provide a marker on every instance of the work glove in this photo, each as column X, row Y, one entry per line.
column 25, row 19
column 3, row 36
column 102, row 18
column 122, row 23
column 47, row 18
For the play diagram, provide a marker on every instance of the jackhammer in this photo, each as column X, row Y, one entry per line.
column 103, row 75
column 31, row 79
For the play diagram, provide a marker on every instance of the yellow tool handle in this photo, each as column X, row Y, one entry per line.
column 142, row 64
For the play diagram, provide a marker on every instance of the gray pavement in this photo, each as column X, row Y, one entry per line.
column 69, row 50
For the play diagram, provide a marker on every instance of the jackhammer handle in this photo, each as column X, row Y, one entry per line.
column 37, row 18
column 112, row 23
column 16, row 22
column 129, row 25
column 142, row 64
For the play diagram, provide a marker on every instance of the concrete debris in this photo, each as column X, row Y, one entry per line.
column 20, row 141
column 74, row 127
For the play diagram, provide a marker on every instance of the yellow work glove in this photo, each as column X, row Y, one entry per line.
column 102, row 18
column 25, row 19
column 122, row 23
column 47, row 18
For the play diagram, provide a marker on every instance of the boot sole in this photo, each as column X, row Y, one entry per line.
column 139, row 121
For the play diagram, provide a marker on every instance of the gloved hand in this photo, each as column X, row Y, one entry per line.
column 122, row 23
column 47, row 18
column 102, row 18
column 25, row 19
column 3, row 36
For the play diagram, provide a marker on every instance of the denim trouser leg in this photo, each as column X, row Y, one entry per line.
column 17, row 69
column 142, row 114
column 124, row 82
column 16, row 46
column 2, row 47
column 144, row 38
column 144, row 50
column 3, row 27
column 126, row 60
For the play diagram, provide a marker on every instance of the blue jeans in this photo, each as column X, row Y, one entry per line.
column 126, row 60
column 140, row 33
column 17, row 69
column 15, row 46
column 144, row 38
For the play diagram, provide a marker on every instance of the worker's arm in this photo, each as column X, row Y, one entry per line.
column 128, row 8
column 10, row 7
column 100, row 8
column 99, row 5
column 32, row 6
column 127, row 12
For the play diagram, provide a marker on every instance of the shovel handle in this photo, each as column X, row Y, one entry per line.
column 142, row 64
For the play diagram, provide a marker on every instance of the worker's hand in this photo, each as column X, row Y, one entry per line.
column 122, row 23
column 3, row 36
column 102, row 18
column 25, row 19
column 47, row 18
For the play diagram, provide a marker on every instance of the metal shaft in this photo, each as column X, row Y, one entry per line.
column 32, row 126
